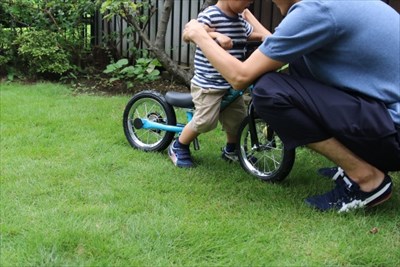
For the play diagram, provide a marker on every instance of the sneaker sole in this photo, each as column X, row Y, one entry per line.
column 374, row 200
column 229, row 159
column 380, row 201
column 379, row 196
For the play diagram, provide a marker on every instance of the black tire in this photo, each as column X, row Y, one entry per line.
column 270, row 161
column 150, row 105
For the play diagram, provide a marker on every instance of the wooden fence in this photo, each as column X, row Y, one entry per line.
column 183, row 11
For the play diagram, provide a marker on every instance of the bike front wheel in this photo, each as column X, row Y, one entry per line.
column 266, row 159
column 152, row 106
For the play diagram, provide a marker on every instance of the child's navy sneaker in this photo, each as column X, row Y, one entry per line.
column 180, row 156
column 347, row 196
column 233, row 156
column 229, row 156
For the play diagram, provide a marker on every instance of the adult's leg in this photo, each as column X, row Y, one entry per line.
column 303, row 111
column 355, row 132
column 295, row 127
column 364, row 174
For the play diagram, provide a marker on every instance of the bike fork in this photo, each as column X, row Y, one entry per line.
column 252, row 127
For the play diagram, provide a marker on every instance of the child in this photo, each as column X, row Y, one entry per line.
column 208, row 87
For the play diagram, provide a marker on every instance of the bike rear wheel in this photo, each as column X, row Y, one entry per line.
column 152, row 106
column 269, row 160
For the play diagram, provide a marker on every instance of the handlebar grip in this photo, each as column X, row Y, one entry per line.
column 247, row 44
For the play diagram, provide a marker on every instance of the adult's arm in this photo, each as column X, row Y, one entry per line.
column 258, row 29
column 239, row 74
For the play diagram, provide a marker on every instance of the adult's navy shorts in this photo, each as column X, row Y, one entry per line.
column 302, row 111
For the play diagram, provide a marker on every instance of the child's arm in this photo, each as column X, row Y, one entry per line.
column 224, row 41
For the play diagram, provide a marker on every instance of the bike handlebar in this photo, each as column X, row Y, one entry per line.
column 246, row 44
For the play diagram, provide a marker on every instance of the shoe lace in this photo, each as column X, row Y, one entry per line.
column 339, row 173
column 344, row 191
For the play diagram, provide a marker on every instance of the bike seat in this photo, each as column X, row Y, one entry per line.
column 177, row 99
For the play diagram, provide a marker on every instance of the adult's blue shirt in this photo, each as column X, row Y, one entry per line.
column 353, row 45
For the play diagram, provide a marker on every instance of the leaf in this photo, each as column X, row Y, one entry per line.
column 150, row 68
column 122, row 62
column 156, row 62
column 128, row 70
column 114, row 79
column 374, row 230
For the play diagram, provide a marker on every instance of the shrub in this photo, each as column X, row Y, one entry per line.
column 44, row 37
column 144, row 70
column 41, row 52
column 6, row 53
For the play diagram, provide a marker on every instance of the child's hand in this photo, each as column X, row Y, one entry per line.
column 224, row 41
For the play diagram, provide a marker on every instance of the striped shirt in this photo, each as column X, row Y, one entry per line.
column 238, row 29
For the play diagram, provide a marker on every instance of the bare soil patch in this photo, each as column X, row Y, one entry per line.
column 103, row 86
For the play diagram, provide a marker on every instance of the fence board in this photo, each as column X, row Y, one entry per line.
column 182, row 12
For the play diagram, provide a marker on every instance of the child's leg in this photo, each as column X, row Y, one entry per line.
column 231, row 138
column 187, row 135
column 207, row 103
column 231, row 118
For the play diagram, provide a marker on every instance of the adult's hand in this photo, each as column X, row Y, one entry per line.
column 194, row 29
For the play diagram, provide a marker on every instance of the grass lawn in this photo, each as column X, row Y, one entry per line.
column 74, row 193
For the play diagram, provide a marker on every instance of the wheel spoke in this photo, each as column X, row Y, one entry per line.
column 265, row 160
column 148, row 105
